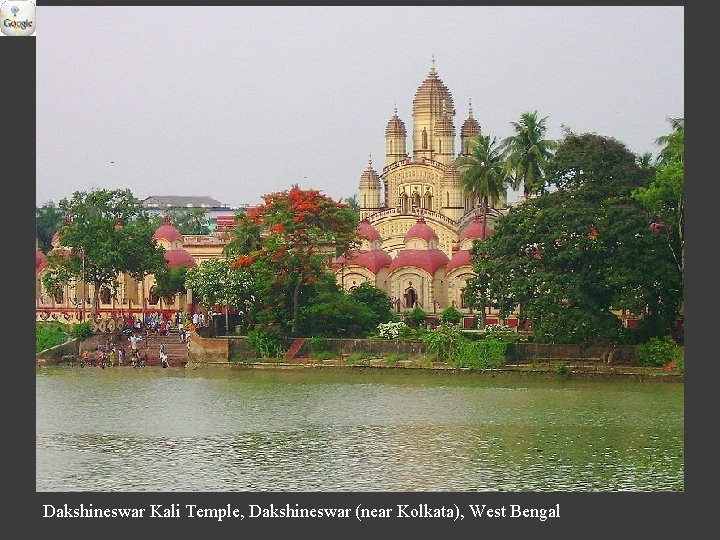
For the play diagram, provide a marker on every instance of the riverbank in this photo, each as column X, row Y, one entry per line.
column 543, row 369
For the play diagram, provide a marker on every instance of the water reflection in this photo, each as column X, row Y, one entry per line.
column 150, row 430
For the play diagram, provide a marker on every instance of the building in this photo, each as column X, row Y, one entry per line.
column 417, row 224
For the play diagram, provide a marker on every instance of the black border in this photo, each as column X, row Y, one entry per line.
column 665, row 514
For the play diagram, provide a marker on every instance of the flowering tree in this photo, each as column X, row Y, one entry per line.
column 214, row 282
column 299, row 231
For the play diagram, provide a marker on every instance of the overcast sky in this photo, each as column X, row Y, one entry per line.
column 236, row 102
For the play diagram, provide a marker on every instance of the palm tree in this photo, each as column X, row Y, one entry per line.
column 483, row 179
column 526, row 153
column 674, row 143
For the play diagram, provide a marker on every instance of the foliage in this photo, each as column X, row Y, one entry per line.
column 318, row 344
column 48, row 218
column 215, row 283
column 417, row 316
column 185, row 220
column 81, row 330
column 266, row 343
column 297, row 229
column 107, row 233
column 483, row 178
column 171, row 281
column 495, row 328
column 49, row 334
column 376, row 300
column 565, row 260
column 336, row 313
column 561, row 369
column 444, row 341
column 488, row 353
column 391, row 330
column 659, row 351
column 325, row 355
column 526, row 153
column 392, row 359
column 664, row 198
column 450, row 315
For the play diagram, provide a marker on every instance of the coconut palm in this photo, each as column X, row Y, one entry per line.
column 483, row 179
column 526, row 153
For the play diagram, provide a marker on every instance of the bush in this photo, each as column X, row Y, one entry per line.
column 659, row 352
column 450, row 315
column 391, row 330
column 444, row 342
column 265, row 343
column 317, row 344
column 488, row 353
column 50, row 334
column 325, row 355
column 81, row 330
column 417, row 317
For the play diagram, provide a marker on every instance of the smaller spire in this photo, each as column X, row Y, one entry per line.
column 370, row 160
column 470, row 115
column 395, row 108
column 432, row 64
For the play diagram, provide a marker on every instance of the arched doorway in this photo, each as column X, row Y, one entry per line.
column 410, row 297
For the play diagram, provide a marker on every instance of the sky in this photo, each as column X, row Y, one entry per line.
column 235, row 102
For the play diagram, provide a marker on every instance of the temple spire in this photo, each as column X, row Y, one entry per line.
column 470, row 115
column 432, row 64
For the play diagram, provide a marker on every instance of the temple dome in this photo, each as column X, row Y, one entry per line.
column 429, row 260
column 474, row 229
column 167, row 232
column 178, row 257
column 421, row 230
column 367, row 231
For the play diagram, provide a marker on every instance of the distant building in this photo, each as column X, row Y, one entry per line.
column 161, row 204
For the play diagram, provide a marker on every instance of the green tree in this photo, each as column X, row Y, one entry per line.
column 569, row 258
column 664, row 198
column 108, row 234
column 171, row 281
column 376, row 300
column 526, row 153
column 48, row 218
column 299, row 230
column 185, row 220
column 336, row 314
column 483, row 179
column 215, row 283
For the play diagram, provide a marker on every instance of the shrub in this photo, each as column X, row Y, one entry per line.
column 325, row 355
column 659, row 352
column 318, row 344
column 48, row 335
column 265, row 343
column 81, row 330
column 450, row 315
column 443, row 341
column 488, row 353
column 391, row 330
column 417, row 317
column 561, row 369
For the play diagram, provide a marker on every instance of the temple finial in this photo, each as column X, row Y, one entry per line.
column 370, row 160
column 470, row 115
column 395, row 108
column 432, row 64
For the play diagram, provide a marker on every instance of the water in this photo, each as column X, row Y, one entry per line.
column 320, row 430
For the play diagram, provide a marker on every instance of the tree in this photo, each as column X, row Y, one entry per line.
column 171, row 281
column 299, row 230
column 568, row 259
column 664, row 197
column 185, row 220
column 108, row 234
column 215, row 283
column 47, row 220
column 334, row 313
column 376, row 300
column 526, row 153
column 484, row 180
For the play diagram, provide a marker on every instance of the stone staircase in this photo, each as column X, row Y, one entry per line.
column 294, row 349
column 176, row 350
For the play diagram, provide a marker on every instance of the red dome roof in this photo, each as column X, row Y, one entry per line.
column 373, row 260
column 475, row 229
column 40, row 260
column 167, row 232
column 421, row 230
column 460, row 258
column 178, row 257
column 427, row 259
column 368, row 231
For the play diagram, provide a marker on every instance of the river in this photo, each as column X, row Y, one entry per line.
column 345, row 429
